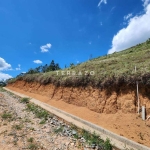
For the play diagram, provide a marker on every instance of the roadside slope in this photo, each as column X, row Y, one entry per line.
column 128, row 125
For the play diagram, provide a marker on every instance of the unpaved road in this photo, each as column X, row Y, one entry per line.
column 20, row 129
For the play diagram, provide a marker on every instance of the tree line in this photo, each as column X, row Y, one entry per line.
column 46, row 68
column 2, row 83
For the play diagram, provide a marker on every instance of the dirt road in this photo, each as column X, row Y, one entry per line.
column 21, row 129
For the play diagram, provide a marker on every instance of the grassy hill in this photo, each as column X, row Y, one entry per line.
column 114, row 69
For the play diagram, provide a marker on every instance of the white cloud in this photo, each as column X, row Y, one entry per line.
column 128, row 16
column 45, row 48
column 4, row 65
column 37, row 61
column 102, row 1
column 90, row 43
column 146, row 2
column 4, row 76
column 137, row 31
column 18, row 67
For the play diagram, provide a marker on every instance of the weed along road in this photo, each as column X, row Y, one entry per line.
column 78, row 124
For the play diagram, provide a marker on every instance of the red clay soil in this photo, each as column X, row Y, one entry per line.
column 114, row 112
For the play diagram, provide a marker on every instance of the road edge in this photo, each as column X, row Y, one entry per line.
column 116, row 140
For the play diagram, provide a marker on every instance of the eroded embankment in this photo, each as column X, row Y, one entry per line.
column 120, row 106
column 108, row 101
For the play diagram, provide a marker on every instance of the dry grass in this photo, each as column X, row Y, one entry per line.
column 115, row 69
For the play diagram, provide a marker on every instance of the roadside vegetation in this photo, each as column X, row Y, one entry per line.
column 2, row 83
column 92, row 139
column 6, row 115
column 25, row 100
column 60, row 127
column 39, row 112
column 114, row 69
column 1, row 89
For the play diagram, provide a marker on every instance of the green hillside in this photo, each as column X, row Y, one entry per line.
column 114, row 69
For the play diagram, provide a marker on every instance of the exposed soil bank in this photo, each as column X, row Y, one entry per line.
column 107, row 101
column 120, row 106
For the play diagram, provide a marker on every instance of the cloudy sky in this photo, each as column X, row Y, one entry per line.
column 34, row 32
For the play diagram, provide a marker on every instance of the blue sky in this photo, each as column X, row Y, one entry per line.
column 34, row 32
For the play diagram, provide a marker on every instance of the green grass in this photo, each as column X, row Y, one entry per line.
column 30, row 140
column 17, row 127
column 32, row 146
column 39, row 112
column 58, row 130
column 96, row 140
column 90, row 138
column 114, row 69
column 107, row 145
column 25, row 100
column 6, row 115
